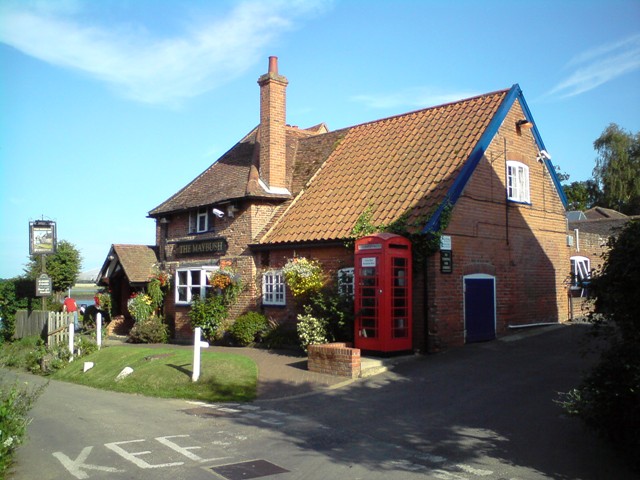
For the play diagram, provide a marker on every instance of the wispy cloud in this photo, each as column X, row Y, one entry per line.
column 598, row 66
column 145, row 67
column 417, row 97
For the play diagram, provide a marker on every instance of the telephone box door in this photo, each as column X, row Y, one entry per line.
column 383, row 293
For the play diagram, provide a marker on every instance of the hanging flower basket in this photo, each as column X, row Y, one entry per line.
column 303, row 276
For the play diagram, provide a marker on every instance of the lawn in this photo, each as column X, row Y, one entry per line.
column 166, row 372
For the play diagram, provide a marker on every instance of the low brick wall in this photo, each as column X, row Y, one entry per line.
column 334, row 359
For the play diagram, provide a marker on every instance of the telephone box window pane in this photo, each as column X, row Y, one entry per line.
column 368, row 292
column 399, row 292
column 399, row 278
column 368, row 302
column 368, row 272
column 399, row 302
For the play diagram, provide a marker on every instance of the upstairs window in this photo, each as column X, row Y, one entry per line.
column 518, row 182
column 192, row 282
column 580, row 270
column 273, row 288
column 200, row 220
column 345, row 282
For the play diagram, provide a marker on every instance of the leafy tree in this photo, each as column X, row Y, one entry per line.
column 617, row 170
column 582, row 195
column 63, row 266
column 15, row 294
column 608, row 400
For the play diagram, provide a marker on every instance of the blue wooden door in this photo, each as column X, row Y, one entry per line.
column 479, row 308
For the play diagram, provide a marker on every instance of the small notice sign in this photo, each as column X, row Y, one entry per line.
column 445, row 242
column 44, row 285
column 369, row 262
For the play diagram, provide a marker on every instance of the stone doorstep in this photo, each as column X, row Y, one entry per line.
column 370, row 366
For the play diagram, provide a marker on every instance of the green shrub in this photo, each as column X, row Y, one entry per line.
column 208, row 314
column 280, row 336
column 16, row 353
column 44, row 360
column 608, row 399
column 336, row 310
column 15, row 403
column 152, row 330
column 84, row 345
column 311, row 330
column 248, row 328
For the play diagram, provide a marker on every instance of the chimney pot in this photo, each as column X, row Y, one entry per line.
column 273, row 65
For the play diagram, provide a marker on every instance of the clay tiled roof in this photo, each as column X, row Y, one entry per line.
column 135, row 261
column 234, row 175
column 597, row 213
column 396, row 165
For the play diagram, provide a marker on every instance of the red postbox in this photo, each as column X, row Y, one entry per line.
column 383, row 293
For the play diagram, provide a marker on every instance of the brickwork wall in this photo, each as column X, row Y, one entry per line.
column 334, row 359
column 332, row 259
column 524, row 246
column 239, row 231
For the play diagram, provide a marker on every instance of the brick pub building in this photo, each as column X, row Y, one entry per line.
column 284, row 191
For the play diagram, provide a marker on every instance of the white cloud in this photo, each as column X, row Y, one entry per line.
column 418, row 97
column 600, row 65
column 144, row 67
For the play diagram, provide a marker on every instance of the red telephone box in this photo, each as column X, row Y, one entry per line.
column 383, row 293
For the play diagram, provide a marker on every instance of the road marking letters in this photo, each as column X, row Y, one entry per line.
column 78, row 467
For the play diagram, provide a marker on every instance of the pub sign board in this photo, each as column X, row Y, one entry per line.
column 44, row 285
column 214, row 246
column 42, row 237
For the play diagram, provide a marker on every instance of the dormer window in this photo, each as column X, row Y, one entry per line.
column 518, row 182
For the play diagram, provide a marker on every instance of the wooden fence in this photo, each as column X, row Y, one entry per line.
column 51, row 326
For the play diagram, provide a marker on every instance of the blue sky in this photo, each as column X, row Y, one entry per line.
column 109, row 107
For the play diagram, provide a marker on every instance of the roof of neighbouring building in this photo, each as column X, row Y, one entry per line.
column 597, row 213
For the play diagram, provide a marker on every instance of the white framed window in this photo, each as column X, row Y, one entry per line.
column 192, row 282
column 199, row 220
column 580, row 270
column 345, row 282
column 518, row 182
column 273, row 288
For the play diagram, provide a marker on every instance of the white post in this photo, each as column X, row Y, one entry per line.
column 99, row 330
column 71, row 331
column 197, row 345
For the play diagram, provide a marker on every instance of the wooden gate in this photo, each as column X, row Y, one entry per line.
column 50, row 326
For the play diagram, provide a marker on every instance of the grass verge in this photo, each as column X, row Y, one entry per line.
column 166, row 372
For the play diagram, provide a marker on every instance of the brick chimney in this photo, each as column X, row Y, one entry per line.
column 272, row 131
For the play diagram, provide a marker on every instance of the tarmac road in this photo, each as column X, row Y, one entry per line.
column 485, row 411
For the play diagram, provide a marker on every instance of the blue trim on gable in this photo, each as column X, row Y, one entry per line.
column 476, row 155
column 451, row 197
column 536, row 134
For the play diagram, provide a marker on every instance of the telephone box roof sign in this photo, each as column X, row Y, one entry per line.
column 42, row 237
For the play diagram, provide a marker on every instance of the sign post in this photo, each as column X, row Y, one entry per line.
column 43, row 241
column 197, row 345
